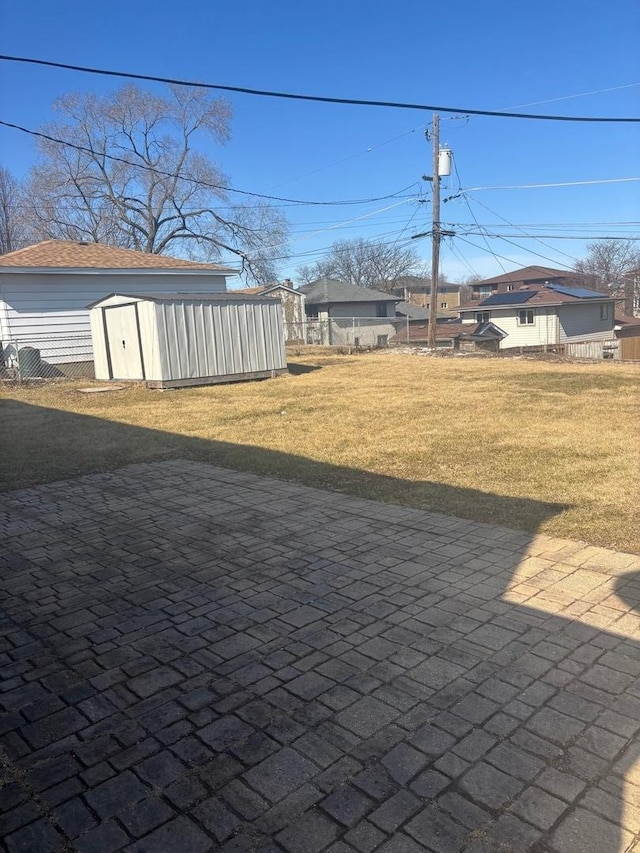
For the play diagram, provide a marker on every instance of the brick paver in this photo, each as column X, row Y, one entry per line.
column 196, row 659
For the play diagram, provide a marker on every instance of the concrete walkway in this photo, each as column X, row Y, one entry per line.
column 196, row 659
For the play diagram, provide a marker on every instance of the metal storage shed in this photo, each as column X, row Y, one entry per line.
column 173, row 340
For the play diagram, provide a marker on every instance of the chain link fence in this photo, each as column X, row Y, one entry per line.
column 47, row 357
column 349, row 331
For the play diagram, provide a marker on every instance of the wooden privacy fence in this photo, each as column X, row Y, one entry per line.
column 590, row 349
column 629, row 348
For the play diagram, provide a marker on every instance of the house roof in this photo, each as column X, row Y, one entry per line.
column 328, row 291
column 70, row 255
column 533, row 273
column 626, row 327
column 417, row 312
column 626, row 320
column 448, row 331
column 533, row 296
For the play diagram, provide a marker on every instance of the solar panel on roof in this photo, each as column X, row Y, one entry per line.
column 580, row 292
column 515, row 297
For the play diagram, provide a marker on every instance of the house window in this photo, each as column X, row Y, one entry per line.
column 484, row 291
column 526, row 317
column 604, row 311
column 381, row 309
column 511, row 287
column 483, row 316
column 443, row 304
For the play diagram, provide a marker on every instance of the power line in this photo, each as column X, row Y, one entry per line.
column 533, row 252
column 578, row 95
column 461, row 258
column 489, row 250
column 316, row 98
column 87, row 150
column 537, row 238
column 473, row 216
column 522, row 236
column 558, row 184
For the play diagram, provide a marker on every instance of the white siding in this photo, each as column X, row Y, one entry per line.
column 52, row 303
column 543, row 331
column 552, row 325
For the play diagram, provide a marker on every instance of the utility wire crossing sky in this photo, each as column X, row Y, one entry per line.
column 316, row 98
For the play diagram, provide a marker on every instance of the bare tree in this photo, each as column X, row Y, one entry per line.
column 129, row 176
column 12, row 227
column 610, row 266
column 366, row 263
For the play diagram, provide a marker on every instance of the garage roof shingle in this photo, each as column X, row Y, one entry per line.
column 67, row 254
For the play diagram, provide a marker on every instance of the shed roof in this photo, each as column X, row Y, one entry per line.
column 226, row 296
column 328, row 291
column 68, row 255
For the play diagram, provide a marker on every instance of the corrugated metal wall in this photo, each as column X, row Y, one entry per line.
column 192, row 338
column 208, row 338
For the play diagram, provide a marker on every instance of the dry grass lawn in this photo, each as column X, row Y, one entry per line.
column 524, row 443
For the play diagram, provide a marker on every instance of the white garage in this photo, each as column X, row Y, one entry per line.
column 173, row 340
column 45, row 289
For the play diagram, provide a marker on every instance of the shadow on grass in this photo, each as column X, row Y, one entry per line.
column 299, row 369
column 45, row 444
column 50, row 444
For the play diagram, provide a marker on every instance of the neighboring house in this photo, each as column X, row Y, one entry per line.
column 462, row 336
column 417, row 289
column 293, row 302
column 547, row 316
column 533, row 275
column 627, row 332
column 45, row 290
column 345, row 314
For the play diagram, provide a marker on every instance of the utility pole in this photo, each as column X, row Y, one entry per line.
column 435, row 233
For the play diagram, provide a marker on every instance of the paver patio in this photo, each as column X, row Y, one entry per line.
column 195, row 659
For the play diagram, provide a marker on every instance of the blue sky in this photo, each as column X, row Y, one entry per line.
column 495, row 55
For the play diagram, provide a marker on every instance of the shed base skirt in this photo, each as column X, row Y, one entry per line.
column 214, row 380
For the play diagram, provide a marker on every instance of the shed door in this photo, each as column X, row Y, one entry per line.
column 124, row 342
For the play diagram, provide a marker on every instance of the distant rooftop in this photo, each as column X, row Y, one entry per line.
column 328, row 291
column 533, row 273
